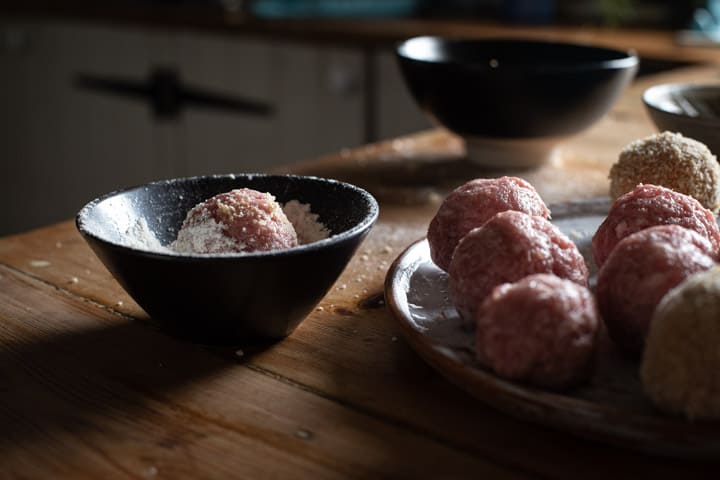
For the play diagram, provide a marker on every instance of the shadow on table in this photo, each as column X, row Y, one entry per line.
column 74, row 382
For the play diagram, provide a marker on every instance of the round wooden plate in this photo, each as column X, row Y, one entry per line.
column 611, row 407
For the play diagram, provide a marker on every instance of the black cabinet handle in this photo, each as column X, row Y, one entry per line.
column 168, row 96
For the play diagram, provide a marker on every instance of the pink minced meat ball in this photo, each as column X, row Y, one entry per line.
column 474, row 203
column 510, row 246
column 648, row 206
column 541, row 330
column 241, row 220
column 641, row 269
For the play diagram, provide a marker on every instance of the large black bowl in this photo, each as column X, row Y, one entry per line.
column 509, row 90
column 226, row 298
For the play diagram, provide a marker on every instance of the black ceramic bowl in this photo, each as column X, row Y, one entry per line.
column 687, row 108
column 502, row 92
column 226, row 298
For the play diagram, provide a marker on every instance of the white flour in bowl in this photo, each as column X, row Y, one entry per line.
column 139, row 236
column 306, row 225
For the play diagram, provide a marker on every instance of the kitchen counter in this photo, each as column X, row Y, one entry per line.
column 656, row 44
column 90, row 389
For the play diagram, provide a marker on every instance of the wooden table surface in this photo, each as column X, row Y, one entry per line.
column 89, row 389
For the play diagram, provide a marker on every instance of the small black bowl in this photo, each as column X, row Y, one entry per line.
column 226, row 298
column 499, row 92
column 691, row 109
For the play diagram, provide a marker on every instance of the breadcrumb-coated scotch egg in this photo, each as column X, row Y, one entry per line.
column 670, row 160
column 681, row 363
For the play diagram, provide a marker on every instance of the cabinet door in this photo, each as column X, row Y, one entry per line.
column 316, row 94
column 322, row 91
column 398, row 114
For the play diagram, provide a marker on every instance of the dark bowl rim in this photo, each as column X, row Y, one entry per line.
column 365, row 224
column 627, row 58
column 664, row 88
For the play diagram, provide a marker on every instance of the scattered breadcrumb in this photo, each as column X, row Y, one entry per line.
column 239, row 353
column 39, row 263
column 73, row 280
column 150, row 472
column 304, row 434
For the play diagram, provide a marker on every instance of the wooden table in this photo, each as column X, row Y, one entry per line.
column 88, row 389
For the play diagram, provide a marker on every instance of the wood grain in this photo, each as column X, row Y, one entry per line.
column 88, row 393
column 352, row 353
column 346, row 363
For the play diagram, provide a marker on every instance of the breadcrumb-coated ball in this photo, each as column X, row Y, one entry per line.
column 673, row 161
column 681, row 364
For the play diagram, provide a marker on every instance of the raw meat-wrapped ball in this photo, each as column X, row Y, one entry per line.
column 640, row 270
column 540, row 330
column 680, row 365
column 510, row 246
column 673, row 161
column 241, row 220
column 474, row 203
column 648, row 206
